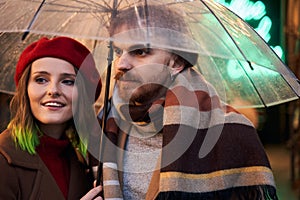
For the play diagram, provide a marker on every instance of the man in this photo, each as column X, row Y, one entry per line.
column 170, row 136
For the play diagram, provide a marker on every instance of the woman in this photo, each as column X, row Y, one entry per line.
column 41, row 153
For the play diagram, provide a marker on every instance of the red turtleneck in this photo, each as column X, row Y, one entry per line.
column 53, row 153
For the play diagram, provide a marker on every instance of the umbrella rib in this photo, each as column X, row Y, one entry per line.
column 97, row 5
column 255, row 88
column 147, row 22
column 243, row 55
column 297, row 80
column 33, row 20
column 88, row 6
column 217, row 18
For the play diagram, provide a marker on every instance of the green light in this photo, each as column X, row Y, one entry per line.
column 278, row 50
column 264, row 28
column 234, row 70
column 238, row 70
column 248, row 10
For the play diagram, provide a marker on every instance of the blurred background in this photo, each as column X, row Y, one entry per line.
column 278, row 23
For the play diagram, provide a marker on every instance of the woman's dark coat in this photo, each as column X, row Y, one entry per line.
column 25, row 177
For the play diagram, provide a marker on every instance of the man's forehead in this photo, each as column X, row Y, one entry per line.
column 155, row 37
column 140, row 36
column 128, row 39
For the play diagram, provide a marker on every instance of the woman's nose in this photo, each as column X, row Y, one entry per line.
column 54, row 90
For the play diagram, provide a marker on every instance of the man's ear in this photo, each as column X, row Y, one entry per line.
column 176, row 64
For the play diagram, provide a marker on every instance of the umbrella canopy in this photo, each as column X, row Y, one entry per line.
column 64, row 17
column 231, row 55
column 12, row 47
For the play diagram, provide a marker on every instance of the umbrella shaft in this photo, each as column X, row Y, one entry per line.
column 105, row 113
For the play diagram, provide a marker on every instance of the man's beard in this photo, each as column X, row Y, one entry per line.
column 136, row 91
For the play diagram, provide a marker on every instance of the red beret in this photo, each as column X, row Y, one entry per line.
column 63, row 48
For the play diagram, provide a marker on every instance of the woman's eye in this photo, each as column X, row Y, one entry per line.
column 68, row 82
column 40, row 80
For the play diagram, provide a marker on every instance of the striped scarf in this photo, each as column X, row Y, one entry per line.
column 209, row 151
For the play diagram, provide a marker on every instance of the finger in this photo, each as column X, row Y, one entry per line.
column 92, row 193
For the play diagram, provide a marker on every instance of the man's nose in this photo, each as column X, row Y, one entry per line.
column 54, row 90
column 123, row 62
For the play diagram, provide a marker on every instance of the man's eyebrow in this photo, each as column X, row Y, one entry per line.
column 130, row 48
column 137, row 46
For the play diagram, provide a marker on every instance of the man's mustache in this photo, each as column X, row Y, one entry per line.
column 119, row 75
column 127, row 76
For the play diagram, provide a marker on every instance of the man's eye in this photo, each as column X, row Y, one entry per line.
column 118, row 51
column 68, row 82
column 140, row 52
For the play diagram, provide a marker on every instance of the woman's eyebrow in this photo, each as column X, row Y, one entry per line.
column 40, row 72
column 68, row 75
column 47, row 73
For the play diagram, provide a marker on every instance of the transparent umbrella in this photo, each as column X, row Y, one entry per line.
column 222, row 47
column 231, row 55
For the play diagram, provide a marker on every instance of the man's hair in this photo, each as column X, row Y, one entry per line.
column 168, row 22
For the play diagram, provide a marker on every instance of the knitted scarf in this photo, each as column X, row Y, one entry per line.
column 209, row 150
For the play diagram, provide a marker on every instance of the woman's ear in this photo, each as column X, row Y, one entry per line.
column 176, row 64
